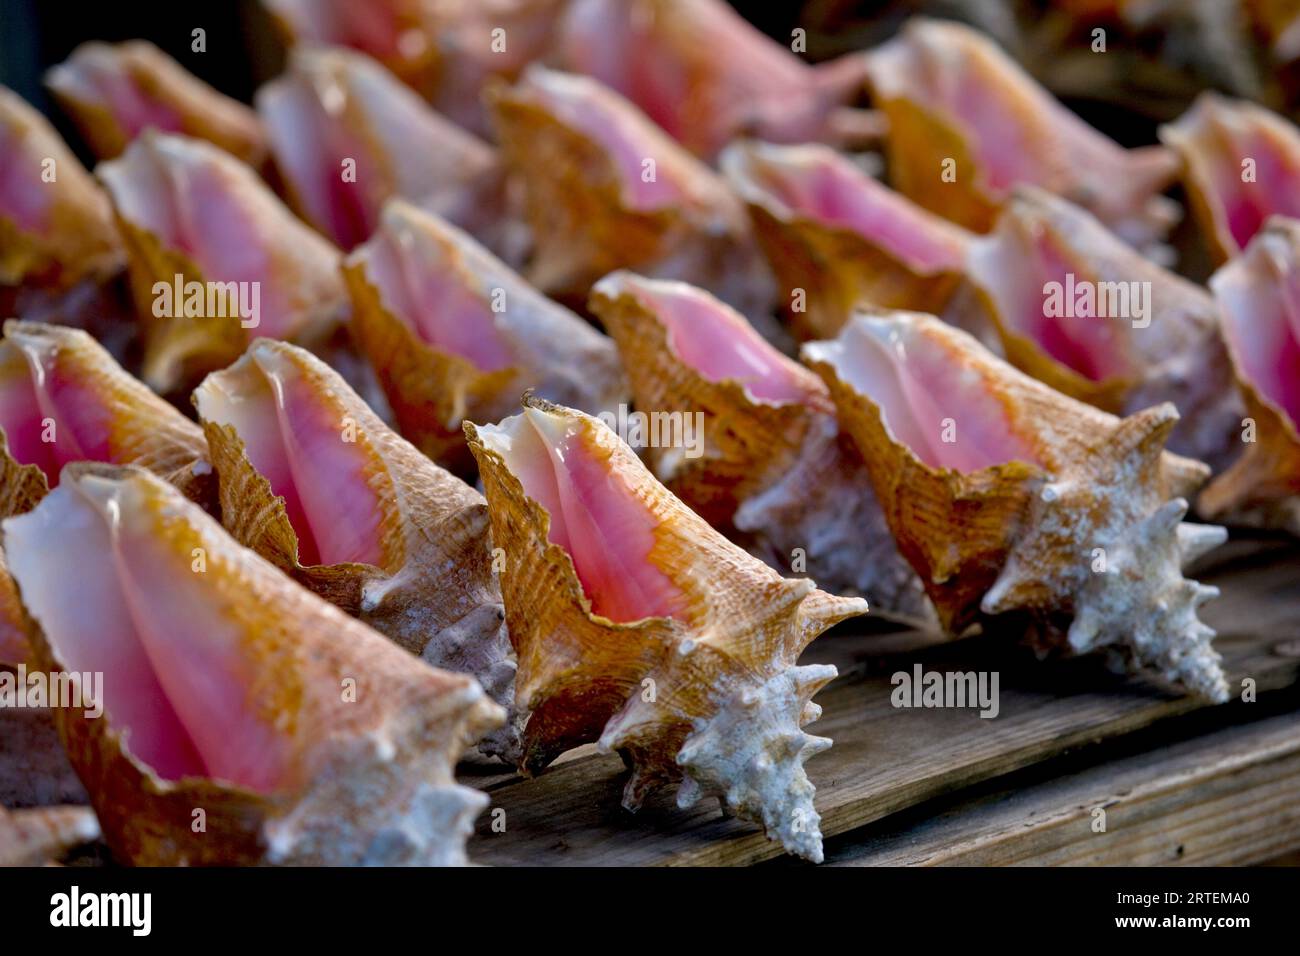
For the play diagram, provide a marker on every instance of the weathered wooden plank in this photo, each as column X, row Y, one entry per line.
column 885, row 759
column 1231, row 797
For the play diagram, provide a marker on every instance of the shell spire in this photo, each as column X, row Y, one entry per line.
column 215, row 258
column 312, row 480
column 230, row 694
column 605, row 189
column 766, row 462
column 1007, row 496
column 1257, row 294
column 454, row 333
column 638, row 626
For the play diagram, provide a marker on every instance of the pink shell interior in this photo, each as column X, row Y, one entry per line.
column 919, row 382
column 23, row 198
column 174, row 671
column 295, row 438
column 606, row 529
column 100, row 75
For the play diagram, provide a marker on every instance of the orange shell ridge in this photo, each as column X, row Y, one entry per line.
column 710, row 696
column 585, row 216
column 431, row 387
column 776, row 476
column 430, row 585
column 1076, row 517
column 1121, row 363
column 1257, row 293
column 833, row 265
column 296, row 734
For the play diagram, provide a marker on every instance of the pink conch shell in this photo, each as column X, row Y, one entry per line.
column 39, row 835
column 56, row 224
column 191, row 210
column 765, row 461
column 347, row 136
column 114, row 92
column 302, row 736
column 1259, row 294
column 638, row 626
column 1075, row 307
column 313, row 481
column 954, row 101
column 1008, row 496
column 705, row 75
column 835, row 236
column 1241, row 163
column 453, row 333
column 446, row 50
column 604, row 188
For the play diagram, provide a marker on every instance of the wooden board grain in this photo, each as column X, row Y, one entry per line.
column 885, row 759
column 1224, row 798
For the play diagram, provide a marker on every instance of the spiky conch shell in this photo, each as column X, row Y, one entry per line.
column 84, row 85
column 1023, row 537
column 1214, row 139
column 432, row 390
column 1178, row 357
column 1261, row 488
column 79, row 240
column 585, row 225
column 367, row 780
column 179, row 349
column 39, row 835
column 728, row 699
column 775, row 476
column 435, row 594
column 1064, row 154
column 834, row 266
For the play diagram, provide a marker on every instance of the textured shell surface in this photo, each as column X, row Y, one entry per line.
column 52, row 233
column 706, row 75
column 190, row 210
column 1241, row 165
column 605, row 188
column 303, row 736
column 639, row 626
column 312, row 480
column 334, row 107
column 1008, row 496
column 1258, row 294
column 841, row 237
column 35, row 836
column 1076, row 307
column 454, row 333
column 768, row 466
column 954, row 100
column 115, row 91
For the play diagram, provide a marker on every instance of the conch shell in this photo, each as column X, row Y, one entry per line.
column 1241, row 165
column 114, row 92
column 453, row 333
column 56, row 224
column 190, row 210
column 638, row 626
column 1258, row 294
column 1076, row 308
column 769, row 466
column 64, row 399
column 446, row 50
column 966, row 124
column 1009, row 496
column 706, row 75
column 314, row 482
column 835, row 237
column 604, row 189
column 347, row 136
column 39, row 835
column 232, row 696
column 13, row 636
